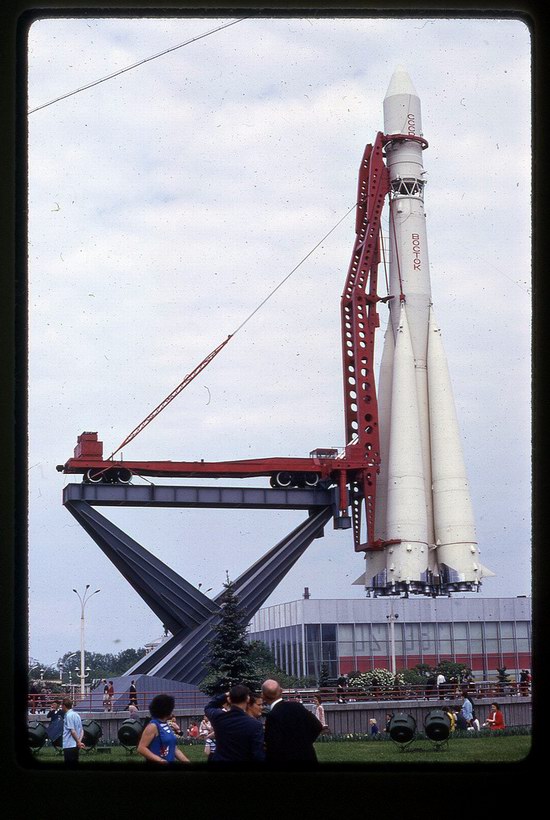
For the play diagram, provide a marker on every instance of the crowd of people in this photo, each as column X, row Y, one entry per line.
column 464, row 716
column 239, row 726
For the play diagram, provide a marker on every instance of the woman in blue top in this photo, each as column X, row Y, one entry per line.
column 158, row 742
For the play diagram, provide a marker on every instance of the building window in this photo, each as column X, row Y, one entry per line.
column 522, row 636
column 362, row 639
column 460, row 631
column 444, row 635
column 412, row 639
column 427, row 636
column 330, row 658
column 313, row 659
column 475, row 630
column 379, row 640
column 491, row 638
column 506, row 629
column 345, row 648
column 398, row 638
column 345, row 633
column 328, row 632
column 461, row 643
column 507, row 643
column 313, row 632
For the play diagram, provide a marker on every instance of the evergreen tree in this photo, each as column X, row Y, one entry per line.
column 230, row 659
column 323, row 676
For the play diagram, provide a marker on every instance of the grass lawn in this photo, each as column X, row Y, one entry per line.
column 458, row 750
column 497, row 749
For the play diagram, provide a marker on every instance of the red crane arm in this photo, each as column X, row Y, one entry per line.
column 175, row 392
column 359, row 322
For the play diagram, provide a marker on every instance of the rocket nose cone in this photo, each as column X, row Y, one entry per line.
column 400, row 83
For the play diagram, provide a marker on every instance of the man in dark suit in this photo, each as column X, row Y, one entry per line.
column 290, row 728
column 239, row 737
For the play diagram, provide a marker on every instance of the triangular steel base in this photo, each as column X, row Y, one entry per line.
column 186, row 612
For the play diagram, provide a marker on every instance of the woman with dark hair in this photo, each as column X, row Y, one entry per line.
column 158, row 742
column 495, row 719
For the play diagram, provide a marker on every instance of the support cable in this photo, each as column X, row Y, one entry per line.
column 135, row 65
column 206, row 361
column 293, row 270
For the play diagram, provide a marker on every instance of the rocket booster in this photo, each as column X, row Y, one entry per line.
column 423, row 499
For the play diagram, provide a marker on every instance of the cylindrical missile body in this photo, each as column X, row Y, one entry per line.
column 455, row 536
column 409, row 263
column 384, row 420
column 406, row 562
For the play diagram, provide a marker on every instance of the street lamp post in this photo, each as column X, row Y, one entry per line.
column 83, row 601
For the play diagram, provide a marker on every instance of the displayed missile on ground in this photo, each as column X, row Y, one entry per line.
column 423, row 503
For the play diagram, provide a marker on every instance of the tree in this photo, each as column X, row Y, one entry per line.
column 230, row 660
column 424, row 670
column 453, row 672
column 100, row 666
column 125, row 660
column 414, row 677
column 323, row 676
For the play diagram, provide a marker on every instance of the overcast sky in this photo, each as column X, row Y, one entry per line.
column 166, row 203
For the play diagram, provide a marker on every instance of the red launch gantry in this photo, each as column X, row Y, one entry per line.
column 353, row 470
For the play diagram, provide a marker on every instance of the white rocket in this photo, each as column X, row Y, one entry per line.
column 423, row 497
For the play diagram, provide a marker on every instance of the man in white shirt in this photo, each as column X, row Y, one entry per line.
column 72, row 733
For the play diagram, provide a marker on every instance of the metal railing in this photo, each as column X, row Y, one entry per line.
column 446, row 691
column 93, row 702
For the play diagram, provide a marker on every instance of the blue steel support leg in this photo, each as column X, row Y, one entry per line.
column 188, row 659
column 177, row 603
column 183, row 609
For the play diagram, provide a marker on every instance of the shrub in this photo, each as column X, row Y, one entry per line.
column 375, row 678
